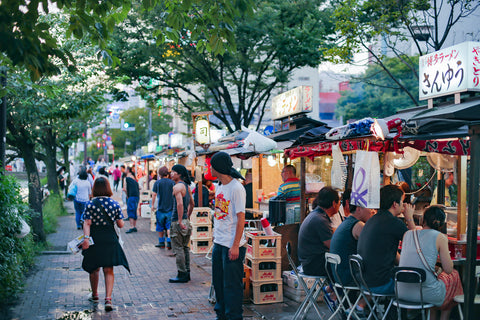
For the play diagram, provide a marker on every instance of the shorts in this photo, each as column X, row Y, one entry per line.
column 387, row 288
column 164, row 220
column 132, row 204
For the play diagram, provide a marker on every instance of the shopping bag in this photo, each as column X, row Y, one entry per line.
column 366, row 180
column 72, row 192
column 339, row 168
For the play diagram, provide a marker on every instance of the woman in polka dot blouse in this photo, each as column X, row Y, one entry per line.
column 100, row 215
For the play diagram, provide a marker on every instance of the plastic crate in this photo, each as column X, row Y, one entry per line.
column 201, row 215
column 200, row 245
column 261, row 246
column 201, row 231
column 267, row 292
column 264, row 269
column 145, row 211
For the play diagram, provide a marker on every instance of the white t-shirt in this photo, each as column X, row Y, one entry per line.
column 229, row 200
column 84, row 189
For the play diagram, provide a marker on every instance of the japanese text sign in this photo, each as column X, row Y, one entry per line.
column 292, row 102
column 450, row 70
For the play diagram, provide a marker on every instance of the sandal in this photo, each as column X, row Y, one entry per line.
column 108, row 304
column 93, row 298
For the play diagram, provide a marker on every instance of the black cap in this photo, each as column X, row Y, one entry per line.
column 222, row 163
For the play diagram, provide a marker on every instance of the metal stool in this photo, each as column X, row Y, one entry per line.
column 357, row 268
column 311, row 294
column 332, row 261
column 413, row 276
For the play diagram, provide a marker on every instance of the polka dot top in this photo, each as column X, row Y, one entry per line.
column 94, row 213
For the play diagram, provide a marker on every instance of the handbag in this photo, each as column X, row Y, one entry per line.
column 420, row 253
column 117, row 231
column 72, row 192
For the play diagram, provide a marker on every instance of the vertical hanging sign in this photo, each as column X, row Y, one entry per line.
column 201, row 128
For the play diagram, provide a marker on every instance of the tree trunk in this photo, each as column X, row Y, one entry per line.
column 49, row 143
column 34, row 192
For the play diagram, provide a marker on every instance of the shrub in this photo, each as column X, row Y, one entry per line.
column 16, row 254
column 52, row 208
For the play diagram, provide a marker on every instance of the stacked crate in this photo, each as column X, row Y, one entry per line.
column 201, row 238
column 263, row 259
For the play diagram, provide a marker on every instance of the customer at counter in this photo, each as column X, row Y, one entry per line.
column 345, row 239
column 378, row 242
column 432, row 243
column 290, row 188
column 316, row 232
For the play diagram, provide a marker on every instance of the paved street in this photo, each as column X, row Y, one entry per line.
column 58, row 288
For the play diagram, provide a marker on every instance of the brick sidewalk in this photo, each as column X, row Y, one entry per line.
column 58, row 288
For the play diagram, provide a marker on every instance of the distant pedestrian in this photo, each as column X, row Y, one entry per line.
column 181, row 228
column 62, row 180
column 117, row 174
column 132, row 190
column 228, row 249
column 162, row 206
column 84, row 192
column 100, row 215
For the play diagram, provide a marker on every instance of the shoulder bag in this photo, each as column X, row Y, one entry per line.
column 420, row 254
column 105, row 215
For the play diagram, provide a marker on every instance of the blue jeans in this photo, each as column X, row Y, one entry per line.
column 79, row 210
column 227, row 277
column 387, row 288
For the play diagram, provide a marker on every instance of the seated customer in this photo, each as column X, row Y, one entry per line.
column 316, row 232
column 432, row 243
column 345, row 239
column 378, row 242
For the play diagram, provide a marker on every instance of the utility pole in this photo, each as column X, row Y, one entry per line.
column 3, row 120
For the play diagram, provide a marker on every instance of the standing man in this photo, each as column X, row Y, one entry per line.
column 290, row 188
column 117, row 174
column 378, row 242
column 181, row 228
column 163, row 189
column 228, row 250
column 316, row 232
column 132, row 190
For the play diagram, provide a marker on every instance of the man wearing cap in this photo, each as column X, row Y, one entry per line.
column 163, row 207
column 181, row 229
column 228, row 251
column 345, row 239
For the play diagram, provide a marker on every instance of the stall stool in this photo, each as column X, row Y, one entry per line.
column 356, row 268
column 311, row 294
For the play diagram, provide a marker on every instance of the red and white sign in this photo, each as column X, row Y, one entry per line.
column 450, row 70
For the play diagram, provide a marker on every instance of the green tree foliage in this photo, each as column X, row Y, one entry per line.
column 139, row 117
column 367, row 25
column 280, row 37
column 16, row 255
column 29, row 41
column 374, row 93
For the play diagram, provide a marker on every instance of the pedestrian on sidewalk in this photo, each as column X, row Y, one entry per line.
column 116, row 177
column 132, row 189
column 84, row 193
column 229, row 240
column 181, row 229
column 106, row 252
column 163, row 207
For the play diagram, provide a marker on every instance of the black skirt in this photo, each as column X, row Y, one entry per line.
column 106, row 250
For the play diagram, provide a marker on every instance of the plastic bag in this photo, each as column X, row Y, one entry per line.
column 366, row 180
column 339, row 168
column 259, row 142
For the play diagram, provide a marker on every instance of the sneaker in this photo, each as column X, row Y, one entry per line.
column 160, row 245
column 328, row 299
column 134, row 229
column 169, row 245
column 130, row 230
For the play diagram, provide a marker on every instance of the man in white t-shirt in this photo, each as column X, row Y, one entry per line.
column 228, row 250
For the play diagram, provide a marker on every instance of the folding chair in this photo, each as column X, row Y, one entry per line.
column 311, row 294
column 332, row 261
column 415, row 277
column 356, row 268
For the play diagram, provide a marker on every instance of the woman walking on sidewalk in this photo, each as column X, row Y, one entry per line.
column 100, row 215
column 84, row 192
